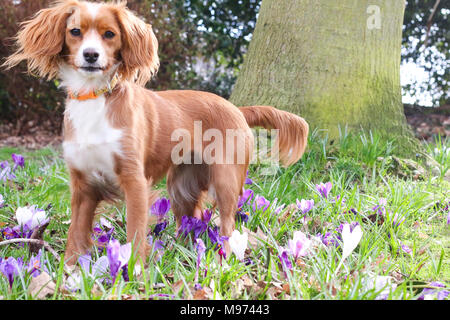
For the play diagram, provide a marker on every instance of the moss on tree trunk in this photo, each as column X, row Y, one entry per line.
column 335, row 63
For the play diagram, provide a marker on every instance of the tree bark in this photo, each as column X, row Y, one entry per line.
column 335, row 63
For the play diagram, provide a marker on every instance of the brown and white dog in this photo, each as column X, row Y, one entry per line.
column 118, row 135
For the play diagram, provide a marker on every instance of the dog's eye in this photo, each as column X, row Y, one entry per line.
column 109, row 35
column 75, row 32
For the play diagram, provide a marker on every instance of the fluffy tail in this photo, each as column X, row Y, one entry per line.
column 293, row 130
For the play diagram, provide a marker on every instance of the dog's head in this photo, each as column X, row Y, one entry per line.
column 91, row 39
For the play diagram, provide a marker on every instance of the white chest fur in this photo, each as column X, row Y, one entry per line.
column 94, row 142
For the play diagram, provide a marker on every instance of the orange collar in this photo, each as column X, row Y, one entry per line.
column 94, row 94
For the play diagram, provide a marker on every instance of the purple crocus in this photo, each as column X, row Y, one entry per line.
column 434, row 293
column 4, row 164
column 305, row 205
column 242, row 216
column 324, row 189
column 246, row 197
column 328, row 239
column 406, row 249
column 260, row 203
column 6, row 173
column 189, row 224
column 157, row 246
column 160, row 208
column 102, row 237
column 247, row 179
column 285, row 262
column 217, row 240
column 34, row 266
column 11, row 267
column 207, row 214
column 118, row 256
column 19, row 161
column 2, row 201
column 380, row 208
column 160, row 227
column 201, row 249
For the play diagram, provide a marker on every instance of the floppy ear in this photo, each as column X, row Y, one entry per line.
column 139, row 50
column 41, row 40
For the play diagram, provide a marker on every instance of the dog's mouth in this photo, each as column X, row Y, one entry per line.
column 92, row 69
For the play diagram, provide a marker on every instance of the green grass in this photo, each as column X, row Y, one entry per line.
column 362, row 169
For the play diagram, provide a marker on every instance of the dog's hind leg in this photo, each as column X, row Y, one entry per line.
column 227, row 181
column 187, row 184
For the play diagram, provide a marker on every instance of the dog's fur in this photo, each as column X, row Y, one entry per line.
column 120, row 143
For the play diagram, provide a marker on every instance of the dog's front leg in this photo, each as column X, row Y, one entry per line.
column 83, row 205
column 135, row 189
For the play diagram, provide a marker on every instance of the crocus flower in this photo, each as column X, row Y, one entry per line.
column 350, row 238
column 324, row 189
column 201, row 249
column 157, row 246
column 380, row 208
column 243, row 216
column 299, row 245
column 160, row 227
column 118, row 256
column 246, row 197
column 238, row 243
column 260, row 203
column 95, row 271
column 102, row 237
column 34, row 265
column 11, row 267
column 305, row 205
column 19, row 160
column 217, row 240
column 32, row 216
column 2, row 201
column 381, row 284
column 6, row 173
column 160, row 207
column 328, row 239
column 207, row 214
column 189, row 224
column 248, row 180
column 285, row 262
column 405, row 248
column 4, row 164
column 431, row 294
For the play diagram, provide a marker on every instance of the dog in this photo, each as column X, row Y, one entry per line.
column 118, row 135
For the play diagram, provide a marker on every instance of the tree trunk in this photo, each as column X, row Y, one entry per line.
column 335, row 63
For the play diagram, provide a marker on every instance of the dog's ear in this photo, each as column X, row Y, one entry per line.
column 40, row 40
column 139, row 50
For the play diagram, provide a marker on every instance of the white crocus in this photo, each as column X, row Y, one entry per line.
column 29, row 217
column 238, row 243
column 350, row 239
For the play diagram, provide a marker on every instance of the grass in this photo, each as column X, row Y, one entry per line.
column 362, row 169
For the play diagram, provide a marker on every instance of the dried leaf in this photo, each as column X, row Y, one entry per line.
column 41, row 286
column 203, row 294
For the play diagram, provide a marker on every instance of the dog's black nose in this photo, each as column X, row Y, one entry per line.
column 90, row 55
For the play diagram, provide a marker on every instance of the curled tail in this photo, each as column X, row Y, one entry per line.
column 292, row 134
